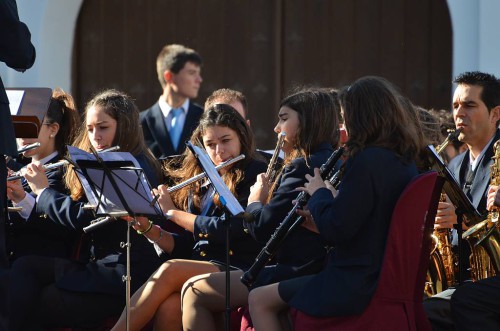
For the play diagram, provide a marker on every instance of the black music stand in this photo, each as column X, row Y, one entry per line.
column 230, row 204
column 107, row 178
column 463, row 205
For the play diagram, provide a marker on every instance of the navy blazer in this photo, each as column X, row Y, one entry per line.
column 356, row 223
column 303, row 251
column 208, row 241
column 156, row 134
column 479, row 188
column 38, row 235
column 104, row 257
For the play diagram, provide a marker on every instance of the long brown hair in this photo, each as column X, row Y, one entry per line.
column 220, row 115
column 128, row 136
column 374, row 116
column 62, row 111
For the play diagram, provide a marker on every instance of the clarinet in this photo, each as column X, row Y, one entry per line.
column 291, row 221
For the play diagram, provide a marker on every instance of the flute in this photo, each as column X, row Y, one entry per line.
column 198, row 177
column 291, row 221
column 28, row 147
column 20, row 174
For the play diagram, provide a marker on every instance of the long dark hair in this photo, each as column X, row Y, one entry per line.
column 128, row 136
column 217, row 115
column 374, row 116
column 318, row 119
column 62, row 111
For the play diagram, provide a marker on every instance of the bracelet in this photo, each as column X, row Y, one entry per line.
column 155, row 242
column 139, row 232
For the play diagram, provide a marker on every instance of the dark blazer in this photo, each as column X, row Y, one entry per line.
column 156, row 134
column 105, row 259
column 303, row 251
column 356, row 224
column 37, row 235
column 208, row 242
column 479, row 188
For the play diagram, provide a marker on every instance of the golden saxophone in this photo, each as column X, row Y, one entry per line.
column 445, row 261
column 484, row 237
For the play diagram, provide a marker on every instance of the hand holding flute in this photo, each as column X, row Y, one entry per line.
column 36, row 177
column 15, row 191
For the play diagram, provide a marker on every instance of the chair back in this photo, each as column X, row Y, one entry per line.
column 397, row 302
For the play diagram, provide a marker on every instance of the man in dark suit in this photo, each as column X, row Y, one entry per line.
column 18, row 53
column 171, row 120
column 476, row 110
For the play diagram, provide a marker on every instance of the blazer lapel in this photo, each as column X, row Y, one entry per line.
column 482, row 176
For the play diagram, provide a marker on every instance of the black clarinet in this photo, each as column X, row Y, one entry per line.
column 291, row 221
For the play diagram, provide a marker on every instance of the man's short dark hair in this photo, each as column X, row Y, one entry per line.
column 173, row 58
column 490, row 84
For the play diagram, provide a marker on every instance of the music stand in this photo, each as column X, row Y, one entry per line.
column 463, row 205
column 28, row 107
column 229, row 203
column 106, row 179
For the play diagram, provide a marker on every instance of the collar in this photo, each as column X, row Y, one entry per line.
column 48, row 158
column 476, row 161
column 166, row 108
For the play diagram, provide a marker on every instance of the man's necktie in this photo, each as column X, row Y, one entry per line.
column 175, row 127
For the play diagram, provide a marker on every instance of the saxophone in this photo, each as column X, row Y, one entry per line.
column 484, row 237
column 442, row 255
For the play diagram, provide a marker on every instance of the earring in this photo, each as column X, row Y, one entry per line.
column 51, row 136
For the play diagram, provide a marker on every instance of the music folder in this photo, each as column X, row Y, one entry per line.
column 28, row 107
column 115, row 184
column 453, row 190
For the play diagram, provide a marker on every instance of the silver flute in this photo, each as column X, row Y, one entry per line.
column 20, row 174
column 28, row 147
column 198, row 177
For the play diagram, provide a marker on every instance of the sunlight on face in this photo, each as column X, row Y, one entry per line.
column 221, row 143
column 289, row 123
column 101, row 128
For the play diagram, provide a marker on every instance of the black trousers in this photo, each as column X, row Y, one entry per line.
column 35, row 302
column 476, row 306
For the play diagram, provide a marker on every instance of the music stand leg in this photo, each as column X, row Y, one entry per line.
column 228, row 276
column 460, row 247
column 126, row 278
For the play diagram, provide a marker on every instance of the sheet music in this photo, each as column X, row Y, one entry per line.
column 453, row 190
column 128, row 175
column 226, row 197
column 15, row 98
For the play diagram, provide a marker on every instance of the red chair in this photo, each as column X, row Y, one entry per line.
column 397, row 302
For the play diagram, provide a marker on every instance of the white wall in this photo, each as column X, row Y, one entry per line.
column 476, row 36
column 52, row 25
column 476, row 40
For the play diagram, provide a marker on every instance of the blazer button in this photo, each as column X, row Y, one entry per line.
column 203, row 254
column 246, row 230
column 230, row 252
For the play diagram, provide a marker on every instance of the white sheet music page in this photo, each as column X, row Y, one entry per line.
column 225, row 195
column 125, row 172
